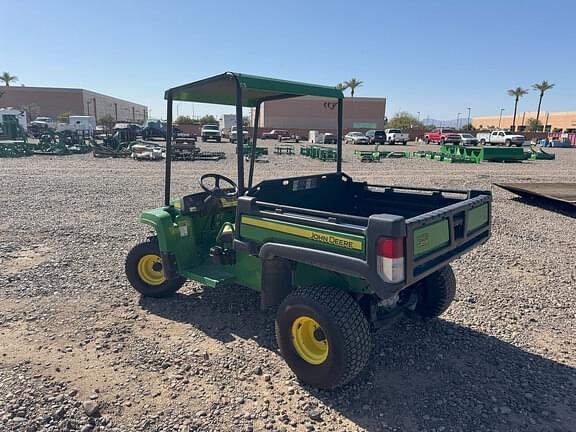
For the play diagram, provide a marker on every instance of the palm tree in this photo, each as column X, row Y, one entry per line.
column 7, row 78
column 518, row 92
column 341, row 86
column 352, row 85
column 541, row 87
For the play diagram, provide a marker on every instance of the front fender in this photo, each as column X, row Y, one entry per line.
column 161, row 221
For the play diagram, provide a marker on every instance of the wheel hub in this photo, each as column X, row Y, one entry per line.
column 150, row 270
column 309, row 340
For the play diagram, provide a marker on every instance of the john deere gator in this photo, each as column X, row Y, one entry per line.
column 337, row 257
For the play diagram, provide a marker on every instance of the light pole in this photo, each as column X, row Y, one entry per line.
column 469, row 110
column 418, row 116
column 458, row 121
column 500, row 121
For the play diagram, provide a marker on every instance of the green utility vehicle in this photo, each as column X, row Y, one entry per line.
column 339, row 257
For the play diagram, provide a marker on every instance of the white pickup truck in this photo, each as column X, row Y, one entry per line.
column 394, row 136
column 500, row 137
column 234, row 134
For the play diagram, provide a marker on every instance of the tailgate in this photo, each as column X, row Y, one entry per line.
column 438, row 237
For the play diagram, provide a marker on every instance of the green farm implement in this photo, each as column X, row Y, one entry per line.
column 253, row 152
column 14, row 149
column 376, row 155
column 338, row 258
column 62, row 143
column 13, row 140
column 284, row 148
column 323, row 153
column 462, row 154
column 119, row 145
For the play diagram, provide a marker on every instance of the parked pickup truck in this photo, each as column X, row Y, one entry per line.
column 394, row 136
column 500, row 137
column 211, row 132
column 438, row 135
column 233, row 134
column 275, row 134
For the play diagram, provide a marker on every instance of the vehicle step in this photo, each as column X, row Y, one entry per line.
column 212, row 275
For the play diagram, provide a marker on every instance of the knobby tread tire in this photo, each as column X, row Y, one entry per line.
column 353, row 332
column 438, row 292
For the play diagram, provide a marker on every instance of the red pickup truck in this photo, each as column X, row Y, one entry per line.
column 438, row 135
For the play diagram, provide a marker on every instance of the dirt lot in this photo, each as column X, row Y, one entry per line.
column 80, row 350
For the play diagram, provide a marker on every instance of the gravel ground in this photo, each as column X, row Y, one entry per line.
column 81, row 351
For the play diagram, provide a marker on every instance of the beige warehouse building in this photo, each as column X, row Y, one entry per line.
column 52, row 101
column 553, row 121
column 311, row 112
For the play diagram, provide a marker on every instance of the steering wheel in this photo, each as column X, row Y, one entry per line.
column 216, row 190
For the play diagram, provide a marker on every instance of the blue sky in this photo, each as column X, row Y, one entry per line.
column 436, row 57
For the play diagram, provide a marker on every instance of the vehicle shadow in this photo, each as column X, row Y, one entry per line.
column 433, row 376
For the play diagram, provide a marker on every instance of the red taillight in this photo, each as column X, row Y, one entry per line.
column 390, row 259
column 390, row 247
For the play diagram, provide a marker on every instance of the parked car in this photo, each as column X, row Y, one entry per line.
column 376, row 136
column 499, row 137
column 211, row 132
column 153, row 129
column 467, row 139
column 394, row 136
column 136, row 128
column 48, row 120
column 234, row 134
column 355, row 138
column 438, row 135
column 452, row 138
column 37, row 128
column 275, row 134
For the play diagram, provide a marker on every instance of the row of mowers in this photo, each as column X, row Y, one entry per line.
column 14, row 142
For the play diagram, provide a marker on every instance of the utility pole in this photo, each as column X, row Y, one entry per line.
column 458, row 121
column 500, row 121
column 95, row 110
column 469, row 124
column 418, row 115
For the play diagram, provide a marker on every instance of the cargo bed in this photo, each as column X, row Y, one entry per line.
column 336, row 223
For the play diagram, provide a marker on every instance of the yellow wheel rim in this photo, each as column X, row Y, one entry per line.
column 150, row 269
column 309, row 340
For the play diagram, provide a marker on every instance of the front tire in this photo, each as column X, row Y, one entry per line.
column 323, row 336
column 143, row 268
column 436, row 293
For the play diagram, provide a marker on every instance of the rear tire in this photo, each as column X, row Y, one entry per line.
column 143, row 268
column 436, row 294
column 323, row 336
column 508, row 143
column 482, row 141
